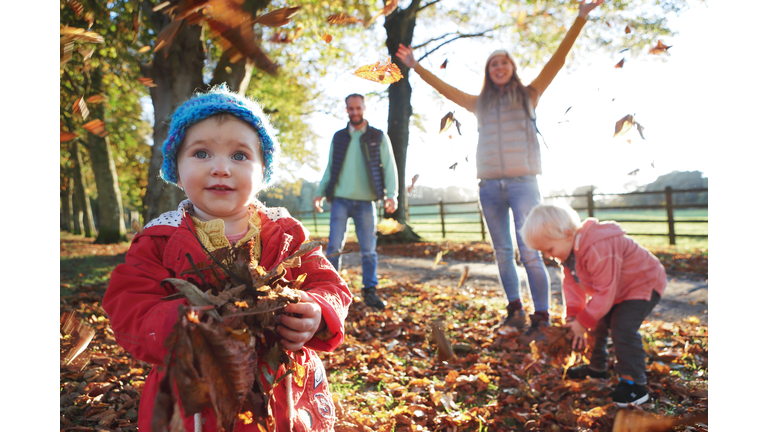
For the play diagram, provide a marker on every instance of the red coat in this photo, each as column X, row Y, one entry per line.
column 141, row 321
column 611, row 268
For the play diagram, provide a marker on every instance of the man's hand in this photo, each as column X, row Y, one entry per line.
column 319, row 204
column 296, row 331
column 579, row 334
column 390, row 205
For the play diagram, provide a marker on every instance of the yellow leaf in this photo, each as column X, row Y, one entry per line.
column 623, row 125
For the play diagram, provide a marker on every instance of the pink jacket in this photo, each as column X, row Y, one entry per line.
column 611, row 268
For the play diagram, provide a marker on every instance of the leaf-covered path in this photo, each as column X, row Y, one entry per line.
column 386, row 376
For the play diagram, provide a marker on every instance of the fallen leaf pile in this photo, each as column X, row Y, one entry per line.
column 386, row 375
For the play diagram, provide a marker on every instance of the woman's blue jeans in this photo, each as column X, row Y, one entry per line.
column 364, row 215
column 497, row 198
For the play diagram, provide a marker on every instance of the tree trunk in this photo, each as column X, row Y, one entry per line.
column 177, row 74
column 84, row 215
column 399, row 26
column 110, row 203
column 237, row 78
column 67, row 218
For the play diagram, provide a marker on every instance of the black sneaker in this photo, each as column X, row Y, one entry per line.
column 583, row 371
column 515, row 318
column 370, row 298
column 628, row 393
column 534, row 332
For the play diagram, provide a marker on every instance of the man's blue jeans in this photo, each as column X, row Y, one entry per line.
column 520, row 194
column 364, row 215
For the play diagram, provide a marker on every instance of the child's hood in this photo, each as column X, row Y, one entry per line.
column 592, row 231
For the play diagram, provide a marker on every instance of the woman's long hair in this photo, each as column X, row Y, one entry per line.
column 511, row 93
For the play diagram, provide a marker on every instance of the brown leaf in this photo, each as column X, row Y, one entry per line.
column 444, row 65
column 446, row 122
column 67, row 136
column 76, row 6
column 79, row 107
column 96, row 127
column 627, row 30
column 453, row 167
column 637, row 421
column 620, row 64
column 388, row 8
column 193, row 391
column 342, row 19
column 464, row 275
column 413, row 183
column 438, row 257
column 86, row 53
column 327, row 38
column 278, row 17
column 144, row 49
column 66, row 52
column 659, row 48
column 147, row 81
column 444, row 349
column 383, row 73
column 80, row 335
column 634, row 172
column 97, row 98
column 78, row 34
column 623, row 125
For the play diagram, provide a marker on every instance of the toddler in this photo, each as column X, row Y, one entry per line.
column 221, row 151
column 611, row 283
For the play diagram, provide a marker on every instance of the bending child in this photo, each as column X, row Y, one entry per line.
column 221, row 151
column 611, row 283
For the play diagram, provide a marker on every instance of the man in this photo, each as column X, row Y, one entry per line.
column 361, row 170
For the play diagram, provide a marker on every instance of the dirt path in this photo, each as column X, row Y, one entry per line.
column 683, row 297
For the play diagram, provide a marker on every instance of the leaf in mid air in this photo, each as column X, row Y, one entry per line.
column 383, row 73
column 80, row 108
column 96, row 127
column 659, row 48
column 67, row 136
column 342, row 19
column 464, row 275
column 144, row 49
column 620, row 64
column 623, row 125
column 388, row 8
column 634, row 172
column 438, row 257
column 453, row 167
column 278, row 17
column 78, row 34
column 413, row 183
column 76, row 6
column 444, row 349
column 640, row 130
column 627, row 30
column 327, row 38
column 147, row 82
column 389, row 226
column 444, row 65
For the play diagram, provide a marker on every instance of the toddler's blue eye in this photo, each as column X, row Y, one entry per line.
column 240, row 157
column 200, row 154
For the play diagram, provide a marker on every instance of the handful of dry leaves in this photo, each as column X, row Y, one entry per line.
column 224, row 348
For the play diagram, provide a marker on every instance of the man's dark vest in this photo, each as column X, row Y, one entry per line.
column 371, row 146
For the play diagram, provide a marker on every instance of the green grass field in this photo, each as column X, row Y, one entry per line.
column 462, row 223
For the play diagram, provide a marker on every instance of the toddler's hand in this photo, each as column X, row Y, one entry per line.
column 296, row 331
column 579, row 334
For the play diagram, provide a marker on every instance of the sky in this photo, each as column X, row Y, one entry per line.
column 664, row 93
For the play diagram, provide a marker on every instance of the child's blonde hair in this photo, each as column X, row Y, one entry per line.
column 551, row 220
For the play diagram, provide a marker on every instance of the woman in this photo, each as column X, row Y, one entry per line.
column 508, row 160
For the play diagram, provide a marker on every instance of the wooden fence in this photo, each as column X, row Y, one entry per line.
column 590, row 208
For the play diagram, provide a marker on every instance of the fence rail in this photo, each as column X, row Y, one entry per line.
column 590, row 208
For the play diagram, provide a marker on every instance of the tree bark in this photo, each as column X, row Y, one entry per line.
column 177, row 74
column 67, row 220
column 84, row 215
column 399, row 26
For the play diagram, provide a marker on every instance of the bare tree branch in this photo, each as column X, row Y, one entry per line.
column 434, row 40
column 460, row 36
column 428, row 5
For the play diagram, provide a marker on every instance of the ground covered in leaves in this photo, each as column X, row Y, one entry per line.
column 386, row 375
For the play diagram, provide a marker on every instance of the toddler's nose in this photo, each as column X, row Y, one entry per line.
column 220, row 169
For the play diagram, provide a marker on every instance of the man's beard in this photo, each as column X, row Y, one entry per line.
column 355, row 123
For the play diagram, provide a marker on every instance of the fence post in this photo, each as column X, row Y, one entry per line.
column 482, row 222
column 670, row 215
column 442, row 215
column 591, row 202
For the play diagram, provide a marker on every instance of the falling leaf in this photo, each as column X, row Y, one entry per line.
column 81, row 333
column 446, row 122
column 76, row 6
column 652, row 165
column 67, row 136
column 624, row 50
column 444, row 65
column 634, row 173
column 228, row 69
column 144, row 49
column 629, row 141
column 147, row 82
column 659, row 48
column 389, row 226
column 640, row 130
column 96, row 127
column 521, row 16
column 78, row 34
column 342, row 19
column 438, row 257
column 619, row 65
column 639, row 421
column 79, row 107
column 413, row 183
column 86, row 53
column 97, row 98
column 279, row 17
column 327, row 38
column 66, row 52
column 388, row 8
column 444, row 349
column 453, row 167
column 383, row 73
column 627, row 30
column 566, row 111
column 464, row 275
column 160, row 6
column 623, row 125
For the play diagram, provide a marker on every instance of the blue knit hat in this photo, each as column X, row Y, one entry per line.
column 219, row 99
